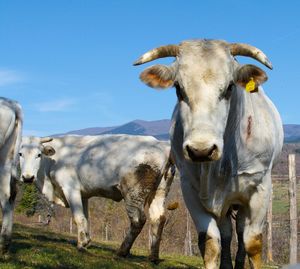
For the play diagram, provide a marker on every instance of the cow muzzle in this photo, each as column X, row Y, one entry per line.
column 201, row 154
column 28, row 178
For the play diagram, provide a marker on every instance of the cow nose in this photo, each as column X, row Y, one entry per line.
column 202, row 155
column 27, row 178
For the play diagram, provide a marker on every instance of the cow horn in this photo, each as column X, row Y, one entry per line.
column 46, row 139
column 160, row 52
column 250, row 51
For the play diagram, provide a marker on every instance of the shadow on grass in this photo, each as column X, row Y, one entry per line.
column 38, row 248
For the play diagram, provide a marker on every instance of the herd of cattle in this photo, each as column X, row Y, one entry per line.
column 225, row 137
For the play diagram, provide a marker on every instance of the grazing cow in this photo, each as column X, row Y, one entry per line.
column 71, row 169
column 225, row 136
column 10, row 139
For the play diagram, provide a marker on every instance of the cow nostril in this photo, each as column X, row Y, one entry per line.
column 195, row 154
column 190, row 152
column 28, row 179
column 212, row 150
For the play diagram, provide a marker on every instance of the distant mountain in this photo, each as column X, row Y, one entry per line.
column 160, row 130
column 90, row 131
column 291, row 133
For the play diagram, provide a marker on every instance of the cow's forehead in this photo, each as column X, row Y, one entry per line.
column 205, row 60
column 204, row 48
column 204, row 53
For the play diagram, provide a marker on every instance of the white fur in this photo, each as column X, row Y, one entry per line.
column 245, row 130
column 10, row 138
column 87, row 166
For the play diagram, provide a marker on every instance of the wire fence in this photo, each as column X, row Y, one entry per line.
column 109, row 222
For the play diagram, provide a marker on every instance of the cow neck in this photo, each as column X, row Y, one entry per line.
column 44, row 171
column 245, row 141
column 233, row 135
column 44, row 183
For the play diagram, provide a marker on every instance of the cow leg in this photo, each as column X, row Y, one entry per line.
column 157, row 213
column 85, row 203
column 240, row 226
column 254, row 225
column 135, row 211
column 75, row 201
column 209, row 234
column 7, row 222
column 209, row 243
column 157, row 222
column 226, row 235
column 7, row 199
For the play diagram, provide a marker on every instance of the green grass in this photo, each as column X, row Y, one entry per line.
column 37, row 248
column 281, row 198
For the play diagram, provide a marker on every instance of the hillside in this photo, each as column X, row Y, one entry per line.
column 291, row 133
column 34, row 248
column 109, row 223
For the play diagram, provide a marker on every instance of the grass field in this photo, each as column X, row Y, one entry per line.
column 37, row 248
column 281, row 197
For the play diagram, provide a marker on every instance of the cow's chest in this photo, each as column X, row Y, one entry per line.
column 217, row 194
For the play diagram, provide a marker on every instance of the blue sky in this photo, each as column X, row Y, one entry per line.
column 69, row 63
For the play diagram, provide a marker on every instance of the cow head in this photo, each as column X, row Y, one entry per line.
column 204, row 73
column 31, row 153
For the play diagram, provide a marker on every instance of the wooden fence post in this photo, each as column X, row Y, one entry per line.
column 269, row 229
column 150, row 236
column 106, row 232
column 71, row 225
column 293, row 209
column 188, row 237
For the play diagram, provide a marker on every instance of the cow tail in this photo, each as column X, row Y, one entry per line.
column 167, row 179
column 169, row 170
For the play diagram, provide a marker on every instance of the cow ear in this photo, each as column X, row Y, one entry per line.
column 250, row 77
column 158, row 76
column 48, row 151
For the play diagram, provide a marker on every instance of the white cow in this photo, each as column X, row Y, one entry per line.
column 10, row 139
column 71, row 169
column 225, row 136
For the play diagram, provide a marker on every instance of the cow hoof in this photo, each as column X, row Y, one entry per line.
column 122, row 253
column 154, row 259
column 4, row 250
column 84, row 244
column 4, row 245
column 89, row 241
column 84, row 239
column 81, row 249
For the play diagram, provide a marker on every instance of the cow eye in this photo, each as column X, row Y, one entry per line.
column 39, row 155
column 228, row 91
column 20, row 154
column 179, row 92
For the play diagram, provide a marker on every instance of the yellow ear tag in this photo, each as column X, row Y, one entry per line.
column 250, row 86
